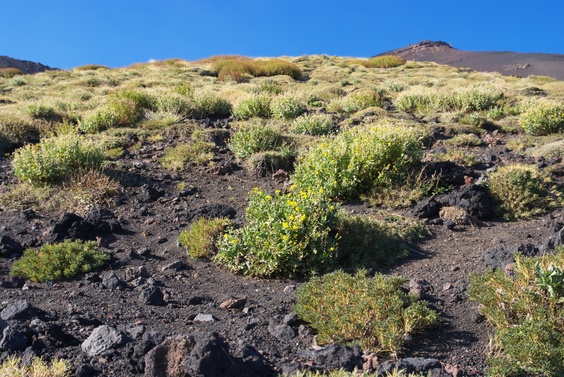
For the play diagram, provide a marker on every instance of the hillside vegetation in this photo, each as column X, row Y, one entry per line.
column 337, row 129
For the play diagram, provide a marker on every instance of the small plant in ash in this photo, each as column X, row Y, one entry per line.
column 372, row 312
column 201, row 240
column 13, row 367
column 59, row 261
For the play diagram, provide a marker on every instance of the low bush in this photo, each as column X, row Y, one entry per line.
column 360, row 160
column 55, row 159
column 210, row 105
column 367, row 242
column 286, row 107
column 15, row 132
column 525, row 308
column 13, row 367
column 201, row 240
column 522, row 191
column 312, row 124
column 239, row 68
column 197, row 152
column 119, row 111
column 251, row 139
column 285, row 235
column 384, row 61
column 58, row 261
column 543, row 118
column 42, row 111
column 355, row 102
column 255, row 106
column 373, row 313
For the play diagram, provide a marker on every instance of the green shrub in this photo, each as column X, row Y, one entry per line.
column 255, row 106
column 543, row 118
column 525, row 309
column 286, row 235
column 522, row 191
column 172, row 103
column 119, row 111
column 201, row 241
column 15, row 131
column 254, row 138
column 372, row 312
column 355, row 102
column 360, row 160
column 12, row 367
column 286, row 107
column 58, row 261
column 54, row 159
column 312, row 124
column 210, row 105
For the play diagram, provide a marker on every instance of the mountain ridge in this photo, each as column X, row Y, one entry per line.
column 26, row 66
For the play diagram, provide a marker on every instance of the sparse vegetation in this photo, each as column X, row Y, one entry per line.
column 543, row 118
column 312, row 124
column 251, row 139
column 58, row 261
column 371, row 312
column 255, row 106
column 12, row 367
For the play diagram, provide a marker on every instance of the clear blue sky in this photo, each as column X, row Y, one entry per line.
column 116, row 33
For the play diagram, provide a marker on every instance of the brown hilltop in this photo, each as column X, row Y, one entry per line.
column 505, row 62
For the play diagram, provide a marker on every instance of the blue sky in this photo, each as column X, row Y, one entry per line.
column 117, row 33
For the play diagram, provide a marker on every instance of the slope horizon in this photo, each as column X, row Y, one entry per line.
column 64, row 35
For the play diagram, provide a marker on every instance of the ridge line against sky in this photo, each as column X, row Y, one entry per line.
column 117, row 33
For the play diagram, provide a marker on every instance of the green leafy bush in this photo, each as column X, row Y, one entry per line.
column 201, row 241
column 286, row 107
column 120, row 111
column 251, row 139
column 55, row 159
column 255, row 106
column 522, row 191
column 526, row 311
column 372, row 312
column 286, row 235
column 543, row 118
column 58, row 261
column 359, row 160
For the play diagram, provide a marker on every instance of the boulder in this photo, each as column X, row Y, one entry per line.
column 103, row 341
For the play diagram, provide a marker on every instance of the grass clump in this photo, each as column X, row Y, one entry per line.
column 56, row 158
column 286, row 235
column 355, row 102
column 286, row 107
column 543, row 118
column 384, row 61
column 209, row 105
column 373, row 313
column 12, row 367
column 359, row 161
column 312, row 124
column 201, row 240
column 465, row 140
column 198, row 152
column 522, row 191
column 251, row 139
column 526, row 311
column 58, row 261
column 255, row 106
column 240, row 68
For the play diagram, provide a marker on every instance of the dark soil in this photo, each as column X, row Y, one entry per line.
column 151, row 212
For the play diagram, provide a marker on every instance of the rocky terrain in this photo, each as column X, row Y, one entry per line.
column 26, row 66
column 153, row 303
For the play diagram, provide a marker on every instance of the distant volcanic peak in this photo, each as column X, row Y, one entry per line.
column 431, row 44
column 25, row 66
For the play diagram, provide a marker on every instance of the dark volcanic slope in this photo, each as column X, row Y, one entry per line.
column 25, row 66
column 507, row 63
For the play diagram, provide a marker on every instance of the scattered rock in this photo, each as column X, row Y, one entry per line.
column 233, row 303
column 102, row 341
column 334, row 357
column 282, row 332
column 18, row 310
column 111, row 281
column 9, row 246
column 167, row 359
column 152, row 295
column 212, row 211
column 174, row 266
column 13, row 340
column 205, row 318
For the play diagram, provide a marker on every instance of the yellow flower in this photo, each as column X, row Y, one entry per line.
column 284, row 225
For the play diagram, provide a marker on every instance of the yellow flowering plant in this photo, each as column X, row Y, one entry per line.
column 286, row 234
